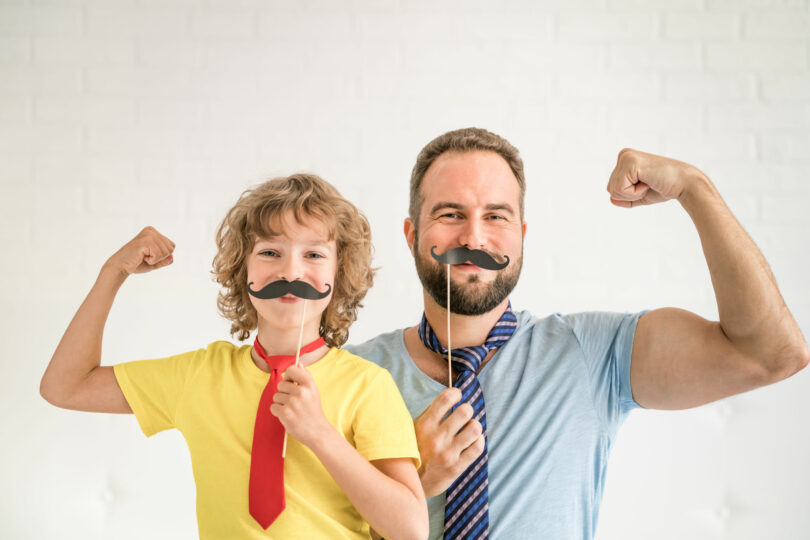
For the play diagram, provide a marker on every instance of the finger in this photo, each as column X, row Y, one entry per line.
column 289, row 387
column 153, row 252
column 441, row 405
column 298, row 375
column 281, row 398
column 621, row 204
column 457, row 419
column 467, row 436
column 277, row 411
column 164, row 262
column 166, row 245
column 470, row 454
column 627, row 188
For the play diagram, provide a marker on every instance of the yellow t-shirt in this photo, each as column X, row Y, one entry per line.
column 211, row 396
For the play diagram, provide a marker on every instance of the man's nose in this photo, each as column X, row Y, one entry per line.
column 472, row 235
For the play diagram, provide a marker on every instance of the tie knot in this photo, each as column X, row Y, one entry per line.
column 280, row 362
column 470, row 358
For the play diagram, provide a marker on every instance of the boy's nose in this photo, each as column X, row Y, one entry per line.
column 290, row 270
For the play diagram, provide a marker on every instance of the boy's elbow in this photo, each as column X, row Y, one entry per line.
column 421, row 526
column 50, row 393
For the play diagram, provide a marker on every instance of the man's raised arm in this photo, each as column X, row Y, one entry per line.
column 681, row 360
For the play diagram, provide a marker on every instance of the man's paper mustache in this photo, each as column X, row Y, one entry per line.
column 279, row 288
column 461, row 255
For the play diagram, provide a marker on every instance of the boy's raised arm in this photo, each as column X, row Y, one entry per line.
column 74, row 378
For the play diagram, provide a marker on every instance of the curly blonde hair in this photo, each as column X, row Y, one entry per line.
column 306, row 195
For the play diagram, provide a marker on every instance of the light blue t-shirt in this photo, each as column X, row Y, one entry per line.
column 555, row 396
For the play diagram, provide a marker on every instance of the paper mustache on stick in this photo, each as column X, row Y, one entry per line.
column 461, row 255
column 298, row 288
column 279, row 288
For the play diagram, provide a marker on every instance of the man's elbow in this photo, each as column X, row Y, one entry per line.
column 792, row 360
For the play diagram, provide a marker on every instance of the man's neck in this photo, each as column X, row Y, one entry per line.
column 465, row 330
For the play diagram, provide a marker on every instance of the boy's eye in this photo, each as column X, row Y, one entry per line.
column 269, row 252
column 313, row 255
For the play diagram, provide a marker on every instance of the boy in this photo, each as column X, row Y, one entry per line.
column 351, row 448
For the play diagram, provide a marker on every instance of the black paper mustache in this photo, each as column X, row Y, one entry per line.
column 461, row 255
column 301, row 289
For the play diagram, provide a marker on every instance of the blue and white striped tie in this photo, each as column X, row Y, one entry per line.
column 466, row 512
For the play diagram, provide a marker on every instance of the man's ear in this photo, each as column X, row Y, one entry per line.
column 410, row 233
column 524, row 229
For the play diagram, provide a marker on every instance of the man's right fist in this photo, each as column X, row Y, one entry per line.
column 148, row 251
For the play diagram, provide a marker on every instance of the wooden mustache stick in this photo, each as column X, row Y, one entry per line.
column 297, row 356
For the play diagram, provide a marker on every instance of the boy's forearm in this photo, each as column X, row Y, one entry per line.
column 389, row 506
column 79, row 350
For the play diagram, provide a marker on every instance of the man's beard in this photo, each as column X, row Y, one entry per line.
column 465, row 300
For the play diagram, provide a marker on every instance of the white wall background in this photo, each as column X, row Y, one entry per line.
column 119, row 114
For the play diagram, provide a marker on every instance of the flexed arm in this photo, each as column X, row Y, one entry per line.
column 75, row 378
column 681, row 360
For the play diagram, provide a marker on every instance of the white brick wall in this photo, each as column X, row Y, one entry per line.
column 118, row 114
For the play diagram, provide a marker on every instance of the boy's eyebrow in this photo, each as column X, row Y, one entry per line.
column 315, row 242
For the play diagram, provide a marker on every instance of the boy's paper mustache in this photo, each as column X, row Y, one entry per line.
column 461, row 255
column 279, row 288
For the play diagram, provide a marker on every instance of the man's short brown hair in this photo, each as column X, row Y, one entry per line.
column 463, row 140
column 305, row 195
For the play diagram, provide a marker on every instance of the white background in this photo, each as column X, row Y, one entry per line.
column 117, row 115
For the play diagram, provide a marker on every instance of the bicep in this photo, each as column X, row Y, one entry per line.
column 99, row 392
column 681, row 360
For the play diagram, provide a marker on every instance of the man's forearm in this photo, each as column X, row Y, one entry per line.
column 752, row 313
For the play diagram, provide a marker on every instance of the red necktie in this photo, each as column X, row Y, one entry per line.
column 266, row 489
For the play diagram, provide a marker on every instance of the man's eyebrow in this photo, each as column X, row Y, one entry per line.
column 441, row 205
column 502, row 206
column 456, row 206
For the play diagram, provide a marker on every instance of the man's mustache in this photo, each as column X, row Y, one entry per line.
column 461, row 255
column 279, row 288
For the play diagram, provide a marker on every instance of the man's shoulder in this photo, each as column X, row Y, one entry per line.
column 380, row 349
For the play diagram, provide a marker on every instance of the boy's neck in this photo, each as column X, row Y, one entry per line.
column 278, row 341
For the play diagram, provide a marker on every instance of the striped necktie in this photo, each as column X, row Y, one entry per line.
column 466, row 511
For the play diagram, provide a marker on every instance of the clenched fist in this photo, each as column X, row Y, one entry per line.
column 148, row 251
column 641, row 178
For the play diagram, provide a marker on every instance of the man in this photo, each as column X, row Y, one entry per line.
column 551, row 393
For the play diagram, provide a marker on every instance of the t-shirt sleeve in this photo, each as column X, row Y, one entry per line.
column 383, row 427
column 154, row 388
column 606, row 340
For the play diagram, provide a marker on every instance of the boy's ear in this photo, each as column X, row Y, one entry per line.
column 410, row 233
